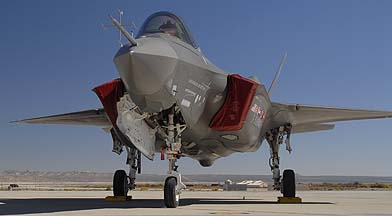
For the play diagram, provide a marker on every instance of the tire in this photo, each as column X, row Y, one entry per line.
column 288, row 183
column 171, row 198
column 120, row 183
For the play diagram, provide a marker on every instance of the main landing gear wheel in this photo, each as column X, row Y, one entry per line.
column 288, row 181
column 120, row 183
column 171, row 197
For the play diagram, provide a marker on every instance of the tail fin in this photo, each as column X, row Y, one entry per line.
column 277, row 74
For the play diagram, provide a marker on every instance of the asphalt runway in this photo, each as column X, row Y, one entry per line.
column 195, row 203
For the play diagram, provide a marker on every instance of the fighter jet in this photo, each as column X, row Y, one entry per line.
column 171, row 100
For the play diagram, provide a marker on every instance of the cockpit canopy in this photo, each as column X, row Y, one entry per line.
column 166, row 22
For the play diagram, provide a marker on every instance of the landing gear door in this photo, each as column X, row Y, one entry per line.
column 133, row 126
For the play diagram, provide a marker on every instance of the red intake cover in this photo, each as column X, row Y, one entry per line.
column 110, row 93
column 232, row 115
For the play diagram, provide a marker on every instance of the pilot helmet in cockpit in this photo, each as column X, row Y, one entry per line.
column 169, row 28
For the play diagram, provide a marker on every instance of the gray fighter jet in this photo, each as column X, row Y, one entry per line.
column 171, row 100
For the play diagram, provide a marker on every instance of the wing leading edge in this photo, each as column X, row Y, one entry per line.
column 94, row 117
column 306, row 118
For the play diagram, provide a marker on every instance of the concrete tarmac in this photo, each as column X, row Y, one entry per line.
column 195, row 203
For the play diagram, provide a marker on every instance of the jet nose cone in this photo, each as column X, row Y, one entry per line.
column 147, row 71
column 145, row 68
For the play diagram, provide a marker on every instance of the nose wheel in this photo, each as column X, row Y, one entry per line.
column 171, row 194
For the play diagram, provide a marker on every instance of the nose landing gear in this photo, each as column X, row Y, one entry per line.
column 173, row 184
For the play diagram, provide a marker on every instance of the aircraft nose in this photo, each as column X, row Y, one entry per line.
column 147, row 69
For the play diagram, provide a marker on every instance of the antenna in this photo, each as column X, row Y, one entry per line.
column 277, row 74
column 110, row 26
column 120, row 14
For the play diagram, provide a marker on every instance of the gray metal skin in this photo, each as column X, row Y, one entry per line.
column 162, row 70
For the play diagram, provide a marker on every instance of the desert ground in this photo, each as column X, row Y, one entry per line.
column 196, row 203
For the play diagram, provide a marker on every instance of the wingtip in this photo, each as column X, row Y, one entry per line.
column 19, row 121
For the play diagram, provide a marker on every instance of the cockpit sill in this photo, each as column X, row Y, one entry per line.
column 126, row 48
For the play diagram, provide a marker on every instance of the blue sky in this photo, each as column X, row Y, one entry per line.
column 52, row 53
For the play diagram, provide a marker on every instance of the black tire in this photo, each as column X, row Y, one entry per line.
column 171, row 198
column 288, row 183
column 120, row 183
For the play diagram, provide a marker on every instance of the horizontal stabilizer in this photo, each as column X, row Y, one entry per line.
column 311, row 128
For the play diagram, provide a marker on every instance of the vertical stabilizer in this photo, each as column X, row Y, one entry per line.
column 277, row 74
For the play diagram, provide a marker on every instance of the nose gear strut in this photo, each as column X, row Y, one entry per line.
column 173, row 183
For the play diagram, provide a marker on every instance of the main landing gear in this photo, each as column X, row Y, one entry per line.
column 122, row 182
column 286, row 185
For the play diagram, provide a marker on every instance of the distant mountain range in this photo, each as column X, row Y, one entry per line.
column 79, row 176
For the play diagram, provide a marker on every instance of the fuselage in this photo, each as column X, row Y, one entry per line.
column 163, row 70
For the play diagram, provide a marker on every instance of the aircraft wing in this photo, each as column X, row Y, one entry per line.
column 94, row 117
column 310, row 118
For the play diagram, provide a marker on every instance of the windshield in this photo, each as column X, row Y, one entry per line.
column 165, row 22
